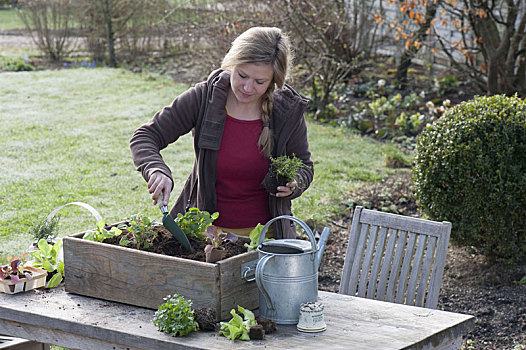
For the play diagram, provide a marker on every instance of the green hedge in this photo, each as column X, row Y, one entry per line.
column 470, row 169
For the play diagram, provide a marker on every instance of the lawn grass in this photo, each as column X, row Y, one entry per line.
column 9, row 20
column 65, row 138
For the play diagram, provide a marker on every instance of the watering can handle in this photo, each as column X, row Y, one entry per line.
column 259, row 274
column 296, row 220
column 92, row 210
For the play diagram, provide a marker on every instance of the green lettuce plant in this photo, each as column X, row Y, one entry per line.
column 47, row 258
column 100, row 234
column 237, row 327
column 254, row 236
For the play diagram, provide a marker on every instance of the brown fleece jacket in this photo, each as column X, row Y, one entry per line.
column 202, row 109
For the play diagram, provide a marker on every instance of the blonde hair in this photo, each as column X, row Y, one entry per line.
column 264, row 45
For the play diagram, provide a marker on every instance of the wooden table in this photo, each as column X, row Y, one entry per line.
column 78, row 322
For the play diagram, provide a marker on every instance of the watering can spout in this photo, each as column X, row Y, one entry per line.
column 321, row 245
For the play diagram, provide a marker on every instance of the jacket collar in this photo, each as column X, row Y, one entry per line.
column 215, row 113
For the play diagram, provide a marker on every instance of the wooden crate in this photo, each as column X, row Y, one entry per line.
column 143, row 279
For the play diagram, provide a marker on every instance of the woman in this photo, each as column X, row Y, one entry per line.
column 241, row 115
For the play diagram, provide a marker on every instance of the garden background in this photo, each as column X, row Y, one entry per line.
column 78, row 77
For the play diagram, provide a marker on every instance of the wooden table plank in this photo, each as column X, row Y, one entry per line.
column 74, row 321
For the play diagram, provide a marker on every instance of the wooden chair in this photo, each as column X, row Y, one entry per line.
column 395, row 258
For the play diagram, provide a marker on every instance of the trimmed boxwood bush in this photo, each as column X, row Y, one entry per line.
column 470, row 169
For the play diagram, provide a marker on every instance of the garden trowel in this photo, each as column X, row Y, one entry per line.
column 172, row 226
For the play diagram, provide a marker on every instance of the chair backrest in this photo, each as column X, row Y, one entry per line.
column 395, row 258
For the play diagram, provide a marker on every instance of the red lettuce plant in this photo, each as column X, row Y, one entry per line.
column 14, row 270
column 216, row 238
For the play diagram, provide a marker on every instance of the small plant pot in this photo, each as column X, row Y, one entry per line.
column 311, row 318
column 24, row 284
column 215, row 255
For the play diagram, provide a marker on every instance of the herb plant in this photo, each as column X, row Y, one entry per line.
column 100, row 234
column 175, row 316
column 194, row 222
column 237, row 327
column 286, row 166
column 140, row 231
column 282, row 170
column 14, row 270
column 46, row 229
column 47, row 258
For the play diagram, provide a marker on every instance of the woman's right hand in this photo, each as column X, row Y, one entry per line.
column 157, row 184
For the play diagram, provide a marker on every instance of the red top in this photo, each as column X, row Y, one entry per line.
column 242, row 201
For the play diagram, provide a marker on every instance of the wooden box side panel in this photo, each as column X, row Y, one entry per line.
column 235, row 290
column 135, row 277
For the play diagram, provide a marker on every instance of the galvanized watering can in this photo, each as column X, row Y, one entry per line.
column 287, row 273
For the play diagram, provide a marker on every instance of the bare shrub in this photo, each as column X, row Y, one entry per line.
column 202, row 33
column 119, row 29
column 492, row 43
column 326, row 35
column 49, row 23
column 327, row 51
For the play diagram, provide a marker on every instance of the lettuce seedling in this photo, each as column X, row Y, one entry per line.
column 47, row 258
column 254, row 236
column 237, row 327
column 100, row 234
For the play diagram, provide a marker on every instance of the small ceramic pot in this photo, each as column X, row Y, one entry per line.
column 311, row 318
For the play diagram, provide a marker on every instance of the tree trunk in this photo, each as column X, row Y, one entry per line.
column 420, row 36
column 110, row 34
column 403, row 66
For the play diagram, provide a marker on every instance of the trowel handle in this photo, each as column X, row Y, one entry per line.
column 303, row 225
column 160, row 204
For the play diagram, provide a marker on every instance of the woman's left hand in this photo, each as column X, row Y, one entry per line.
column 287, row 190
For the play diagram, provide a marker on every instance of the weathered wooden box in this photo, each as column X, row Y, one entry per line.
column 143, row 279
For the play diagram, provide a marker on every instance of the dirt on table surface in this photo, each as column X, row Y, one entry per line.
column 470, row 285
